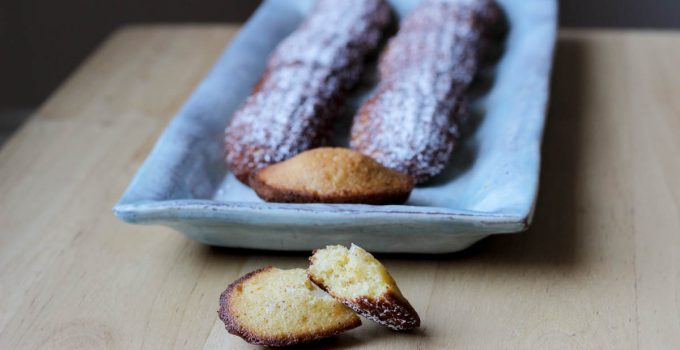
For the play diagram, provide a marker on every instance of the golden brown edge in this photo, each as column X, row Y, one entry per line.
column 272, row 194
column 233, row 327
column 389, row 309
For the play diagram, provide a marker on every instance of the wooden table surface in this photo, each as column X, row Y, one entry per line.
column 599, row 269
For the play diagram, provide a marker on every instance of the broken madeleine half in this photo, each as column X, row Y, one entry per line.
column 274, row 307
column 331, row 175
column 357, row 279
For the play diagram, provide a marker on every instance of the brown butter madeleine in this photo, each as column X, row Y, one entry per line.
column 357, row 279
column 411, row 121
column 304, row 84
column 406, row 127
column 331, row 175
column 274, row 307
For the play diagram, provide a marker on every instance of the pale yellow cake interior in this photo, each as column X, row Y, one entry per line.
column 282, row 302
column 351, row 273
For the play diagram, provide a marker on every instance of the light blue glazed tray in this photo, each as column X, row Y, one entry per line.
column 489, row 187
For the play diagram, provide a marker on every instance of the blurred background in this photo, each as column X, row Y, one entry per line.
column 43, row 41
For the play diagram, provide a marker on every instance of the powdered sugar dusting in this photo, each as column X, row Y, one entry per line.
column 411, row 122
column 293, row 106
column 414, row 133
column 286, row 116
column 337, row 34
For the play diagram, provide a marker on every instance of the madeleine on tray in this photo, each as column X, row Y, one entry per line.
column 331, row 175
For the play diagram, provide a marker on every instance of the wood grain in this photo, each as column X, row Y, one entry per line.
column 599, row 269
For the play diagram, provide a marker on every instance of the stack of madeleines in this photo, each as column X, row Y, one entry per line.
column 405, row 132
column 276, row 307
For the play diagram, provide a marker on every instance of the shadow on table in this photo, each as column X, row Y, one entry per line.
column 364, row 335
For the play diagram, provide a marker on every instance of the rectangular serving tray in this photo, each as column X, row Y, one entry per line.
column 490, row 186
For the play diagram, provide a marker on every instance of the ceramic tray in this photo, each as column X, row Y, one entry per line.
column 490, row 186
